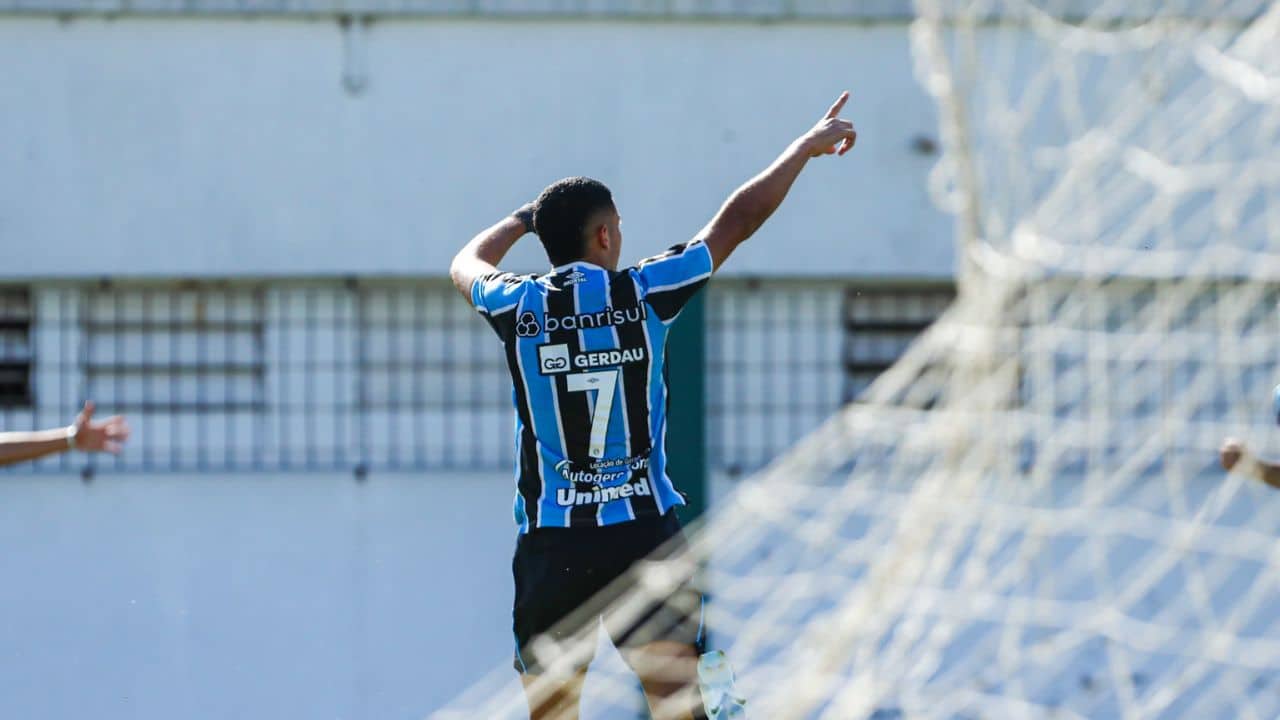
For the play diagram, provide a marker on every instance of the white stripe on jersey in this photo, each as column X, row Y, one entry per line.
column 528, row 400
column 622, row 390
column 582, row 347
column 648, row 394
column 682, row 283
column 500, row 310
column 520, row 473
column 555, row 403
column 653, row 484
column 626, row 422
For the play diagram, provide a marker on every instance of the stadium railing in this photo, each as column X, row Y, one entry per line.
column 373, row 374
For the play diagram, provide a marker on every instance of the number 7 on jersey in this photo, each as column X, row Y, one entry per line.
column 604, row 381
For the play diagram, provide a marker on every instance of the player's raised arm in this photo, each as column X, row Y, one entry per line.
column 750, row 205
column 84, row 434
column 1235, row 456
column 482, row 255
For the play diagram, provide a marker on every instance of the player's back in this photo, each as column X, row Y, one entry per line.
column 586, row 350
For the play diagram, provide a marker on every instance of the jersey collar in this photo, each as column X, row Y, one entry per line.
column 566, row 267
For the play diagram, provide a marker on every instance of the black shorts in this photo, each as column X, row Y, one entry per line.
column 560, row 574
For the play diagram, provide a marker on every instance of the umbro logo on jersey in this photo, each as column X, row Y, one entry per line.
column 527, row 325
column 555, row 359
column 575, row 278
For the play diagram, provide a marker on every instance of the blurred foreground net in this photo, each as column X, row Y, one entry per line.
column 1024, row 517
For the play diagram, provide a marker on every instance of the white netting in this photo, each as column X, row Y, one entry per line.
column 1024, row 518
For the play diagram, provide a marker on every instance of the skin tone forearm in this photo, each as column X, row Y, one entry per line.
column 1260, row 469
column 751, row 204
column 89, row 435
column 1268, row 473
column 1234, row 456
column 482, row 255
column 18, row 446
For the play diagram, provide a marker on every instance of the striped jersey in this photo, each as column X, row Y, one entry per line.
column 586, row 350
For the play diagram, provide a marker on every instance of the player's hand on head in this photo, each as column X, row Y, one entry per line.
column 1230, row 453
column 833, row 134
column 99, row 435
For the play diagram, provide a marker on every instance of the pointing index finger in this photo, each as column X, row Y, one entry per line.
column 840, row 101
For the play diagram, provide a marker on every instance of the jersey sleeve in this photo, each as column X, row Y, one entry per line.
column 496, row 296
column 670, row 280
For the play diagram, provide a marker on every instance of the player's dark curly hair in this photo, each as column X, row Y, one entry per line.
column 561, row 213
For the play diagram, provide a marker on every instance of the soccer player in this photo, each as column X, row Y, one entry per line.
column 585, row 345
column 1234, row 454
column 83, row 434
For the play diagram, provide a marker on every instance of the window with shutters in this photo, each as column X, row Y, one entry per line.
column 880, row 323
column 15, row 347
column 197, row 347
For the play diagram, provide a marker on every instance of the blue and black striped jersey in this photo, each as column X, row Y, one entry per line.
column 585, row 347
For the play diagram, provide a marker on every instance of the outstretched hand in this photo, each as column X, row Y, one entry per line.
column 832, row 134
column 1230, row 453
column 91, row 436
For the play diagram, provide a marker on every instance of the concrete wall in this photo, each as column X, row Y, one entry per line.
column 227, row 147
column 214, row 596
column 399, row 375
column 252, row 596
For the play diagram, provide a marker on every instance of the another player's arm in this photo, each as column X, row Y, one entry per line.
column 84, row 434
column 482, row 255
column 1235, row 456
column 751, row 205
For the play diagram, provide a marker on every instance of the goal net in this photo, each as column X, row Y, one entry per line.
column 1025, row 516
